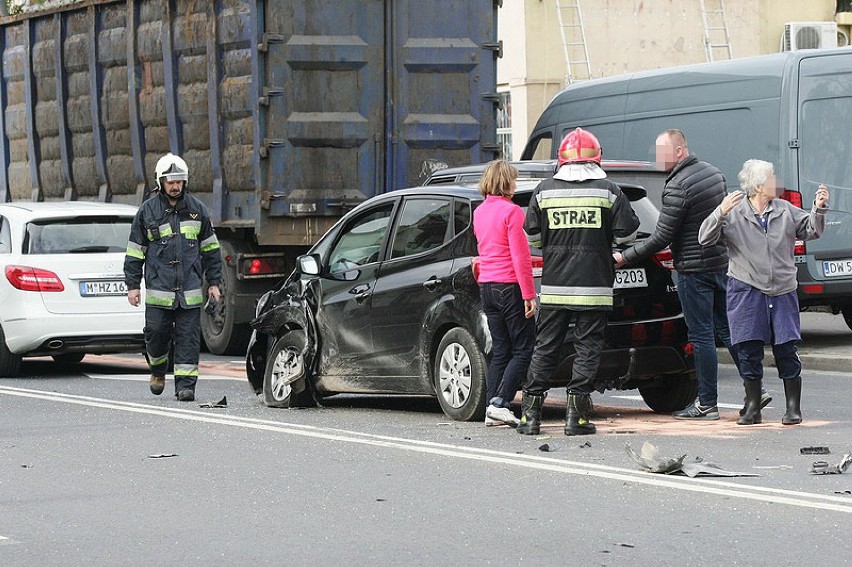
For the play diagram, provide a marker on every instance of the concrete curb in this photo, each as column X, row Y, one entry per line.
column 810, row 361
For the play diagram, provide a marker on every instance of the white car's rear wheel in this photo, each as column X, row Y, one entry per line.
column 10, row 363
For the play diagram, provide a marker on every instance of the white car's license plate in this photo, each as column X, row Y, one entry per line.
column 630, row 277
column 834, row 268
column 105, row 287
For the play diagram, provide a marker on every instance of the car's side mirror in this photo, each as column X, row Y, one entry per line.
column 308, row 264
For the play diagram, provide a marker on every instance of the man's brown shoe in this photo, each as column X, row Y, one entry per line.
column 158, row 384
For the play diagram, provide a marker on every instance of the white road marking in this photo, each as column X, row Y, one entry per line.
column 702, row 485
column 145, row 377
column 721, row 405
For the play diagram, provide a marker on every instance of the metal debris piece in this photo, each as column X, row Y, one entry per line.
column 822, row 467
column 814, row 451
column 586, row 444
column 649, row 460
column 223, row 403
column 162, row 456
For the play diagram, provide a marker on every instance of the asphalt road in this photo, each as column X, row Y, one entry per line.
column 97, row 471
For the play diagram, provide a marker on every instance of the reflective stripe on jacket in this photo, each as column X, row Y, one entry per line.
column 174, row 246
column 575, row 224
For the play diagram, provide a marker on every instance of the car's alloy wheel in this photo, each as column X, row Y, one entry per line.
column 669, row 393
column 460, row 376
column 285, row 382
column 10, row 363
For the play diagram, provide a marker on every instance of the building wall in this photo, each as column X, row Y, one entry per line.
column 624, row 36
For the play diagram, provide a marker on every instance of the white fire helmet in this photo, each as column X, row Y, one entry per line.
column 173, row 168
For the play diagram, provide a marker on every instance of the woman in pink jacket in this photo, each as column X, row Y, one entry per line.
column 507, row 289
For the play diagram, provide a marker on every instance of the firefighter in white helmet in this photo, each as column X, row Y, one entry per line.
column 172, row 242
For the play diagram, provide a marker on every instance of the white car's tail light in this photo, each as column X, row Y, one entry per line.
column 26, row 278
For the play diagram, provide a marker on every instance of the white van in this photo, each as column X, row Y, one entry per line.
column 793, row 109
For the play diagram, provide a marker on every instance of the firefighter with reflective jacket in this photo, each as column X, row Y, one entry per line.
column 574, row 217
column 173, row 243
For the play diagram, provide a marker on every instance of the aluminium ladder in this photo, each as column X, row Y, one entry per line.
column 717, row 38
column 573, row 41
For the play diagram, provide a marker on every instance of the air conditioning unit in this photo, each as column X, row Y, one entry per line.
column 809, row 35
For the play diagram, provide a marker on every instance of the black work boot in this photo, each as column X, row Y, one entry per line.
column 531, row 418
column 577, row 415
column 751, row 416
column 793, row 392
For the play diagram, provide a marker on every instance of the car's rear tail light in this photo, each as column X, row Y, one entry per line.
column 263, row 266
column 813, row 288
column 474, row 264
column 664, row 259
column 537, row 266
column 688, row 349
column 795, row 198
column 26, row 278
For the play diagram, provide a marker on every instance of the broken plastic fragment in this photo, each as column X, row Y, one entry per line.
column 814, row 451
column 162, row 456
column 223, row 403
column 822, row 467
column 649, row 460
column 548, row 448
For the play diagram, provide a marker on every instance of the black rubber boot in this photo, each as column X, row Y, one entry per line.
column 751, row 416
column 765, row 398
column 531, row 418
column 577, row 415
column 793, row 392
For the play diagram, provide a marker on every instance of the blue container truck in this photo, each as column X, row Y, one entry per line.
column 288, row 112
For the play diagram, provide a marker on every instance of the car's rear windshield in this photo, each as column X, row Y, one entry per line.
column 80, row 235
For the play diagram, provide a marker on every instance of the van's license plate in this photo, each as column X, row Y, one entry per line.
column 630, row 277
column 110, row 287
column 834, row 268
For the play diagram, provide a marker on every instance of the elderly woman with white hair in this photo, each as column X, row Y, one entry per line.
column 760, row 232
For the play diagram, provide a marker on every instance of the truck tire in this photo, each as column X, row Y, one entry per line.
column 220, row 332
column 10, row 363
column 670, row 393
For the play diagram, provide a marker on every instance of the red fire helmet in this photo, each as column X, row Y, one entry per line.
column 579, row 146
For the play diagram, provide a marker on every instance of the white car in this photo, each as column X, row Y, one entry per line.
column 62, row 288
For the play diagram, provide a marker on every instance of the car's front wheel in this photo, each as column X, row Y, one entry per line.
column 669, row 393
column 285, row 380
column 460, row 370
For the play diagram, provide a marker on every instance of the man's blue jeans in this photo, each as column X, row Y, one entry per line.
column 702, row 296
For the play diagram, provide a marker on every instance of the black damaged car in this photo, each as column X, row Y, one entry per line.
column 386, row 302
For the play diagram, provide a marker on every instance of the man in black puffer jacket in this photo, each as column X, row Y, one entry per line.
column 693, row 190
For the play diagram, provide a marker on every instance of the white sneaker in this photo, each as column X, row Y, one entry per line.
column 500, row 416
